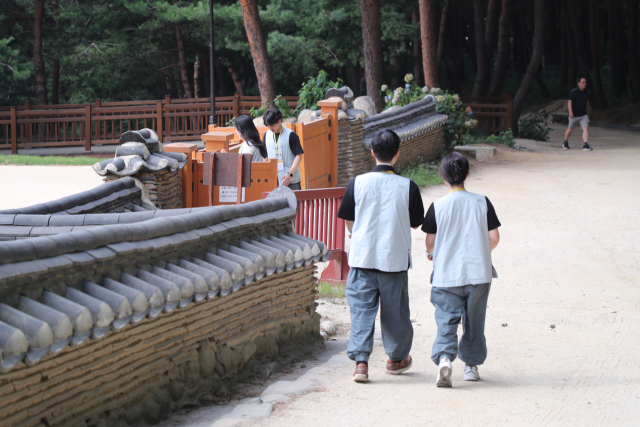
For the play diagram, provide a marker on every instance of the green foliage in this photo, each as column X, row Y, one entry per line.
column 328, row 291
column 504, row 138
column 315, row 89
column 460, row 123
column 424, row 175
column 11, row 159
column 535, row 126
column 402, row 96
column 281, row 104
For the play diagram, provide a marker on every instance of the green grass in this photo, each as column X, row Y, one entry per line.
column 328, row 291
column 423, row 175
column 16, row 159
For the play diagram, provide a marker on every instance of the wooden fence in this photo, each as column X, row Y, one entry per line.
column 173, row 120
column 494, row 114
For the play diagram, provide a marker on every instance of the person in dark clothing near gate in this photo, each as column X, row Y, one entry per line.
column 380, row 208
column 579, row 113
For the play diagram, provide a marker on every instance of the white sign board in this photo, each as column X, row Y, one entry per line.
column 230, row 195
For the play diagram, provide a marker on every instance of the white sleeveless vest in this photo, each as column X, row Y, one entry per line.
column 462, row 251
column 381, row 237
column 286, row 155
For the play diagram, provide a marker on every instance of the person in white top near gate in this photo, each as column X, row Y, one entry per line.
column 380, row 208
column 283, row 144
column 462, row 230
column 245, row 129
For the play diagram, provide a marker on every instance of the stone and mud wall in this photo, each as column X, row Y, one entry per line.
column 114, row 325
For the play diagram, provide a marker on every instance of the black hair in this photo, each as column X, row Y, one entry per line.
column 385, row 145
column 580, row 78
column 249, row 133
column 272, row 116
column 454, row 168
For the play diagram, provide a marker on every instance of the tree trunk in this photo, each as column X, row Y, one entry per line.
column 196, row 76
column 534, row 65
column 261, row 62
column 428, row 36
column 564, row 48
column 396, row 68
column 372, row 49
column 572, row 69
column 613, row 46
column 596, row 58
column 482, row 65
column 182, row 63
column 417, row 52
column 55, row 72
column 502, row 56
column 443, row 29
column 354, row 80
column 491, row 32
column 38, row 57
column 578, row 42
column 221, row 78
column 461, row 76
column 634, row 72
column 544, row 90
column 237, row 80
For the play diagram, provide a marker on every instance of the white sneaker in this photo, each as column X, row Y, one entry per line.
column 444, row 373
column 471, row 373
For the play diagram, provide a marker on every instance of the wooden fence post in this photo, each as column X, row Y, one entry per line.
column 98, row 104
column 159, row 121
column 14, row 131
column 508, row 124
column 87, row 128
column 27, row 126
column 167, row 123
column 236, row 105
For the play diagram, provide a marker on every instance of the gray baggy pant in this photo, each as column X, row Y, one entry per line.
column 468, row 303
column 365, row 290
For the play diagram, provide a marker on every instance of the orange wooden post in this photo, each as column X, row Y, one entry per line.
column 239, row 181
column 216, row 141
column 330, row 109
column 188, row 171
column 14, row 131
column 159, row 121
column 299, row 130
column 87, row 128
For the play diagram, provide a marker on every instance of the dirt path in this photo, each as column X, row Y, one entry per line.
column 563, row 323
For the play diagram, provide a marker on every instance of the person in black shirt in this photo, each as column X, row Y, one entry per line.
column 579, row 113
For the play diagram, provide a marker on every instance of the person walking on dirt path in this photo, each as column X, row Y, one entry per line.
column 462, row 230
column 380, row 209
column 283, row 144
column 579, row 113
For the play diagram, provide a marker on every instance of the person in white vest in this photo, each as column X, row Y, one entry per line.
column 283, row 144
column 462, row 230
column 246, row 130
column 380, row 209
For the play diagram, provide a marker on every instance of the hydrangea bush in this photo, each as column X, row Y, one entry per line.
column 402, row 96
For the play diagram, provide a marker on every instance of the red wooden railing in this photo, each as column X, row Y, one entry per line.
column 317, row 219
column 103, row 122
column 493, row 114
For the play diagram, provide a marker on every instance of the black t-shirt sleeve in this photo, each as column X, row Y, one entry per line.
column 429, row 225
column 492, row 218
column 572, row 95
column 294, row 144
column 347, row 209
column 416, row 208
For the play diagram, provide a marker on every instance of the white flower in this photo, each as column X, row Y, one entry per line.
column 435, row 90
column 396, row 97
column 425, row 89
column 400, row 90
column 439, row 98
column 456, row 98
column 384, row 88
column 408, row 78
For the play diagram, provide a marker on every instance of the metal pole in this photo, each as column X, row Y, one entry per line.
column 212, row 117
